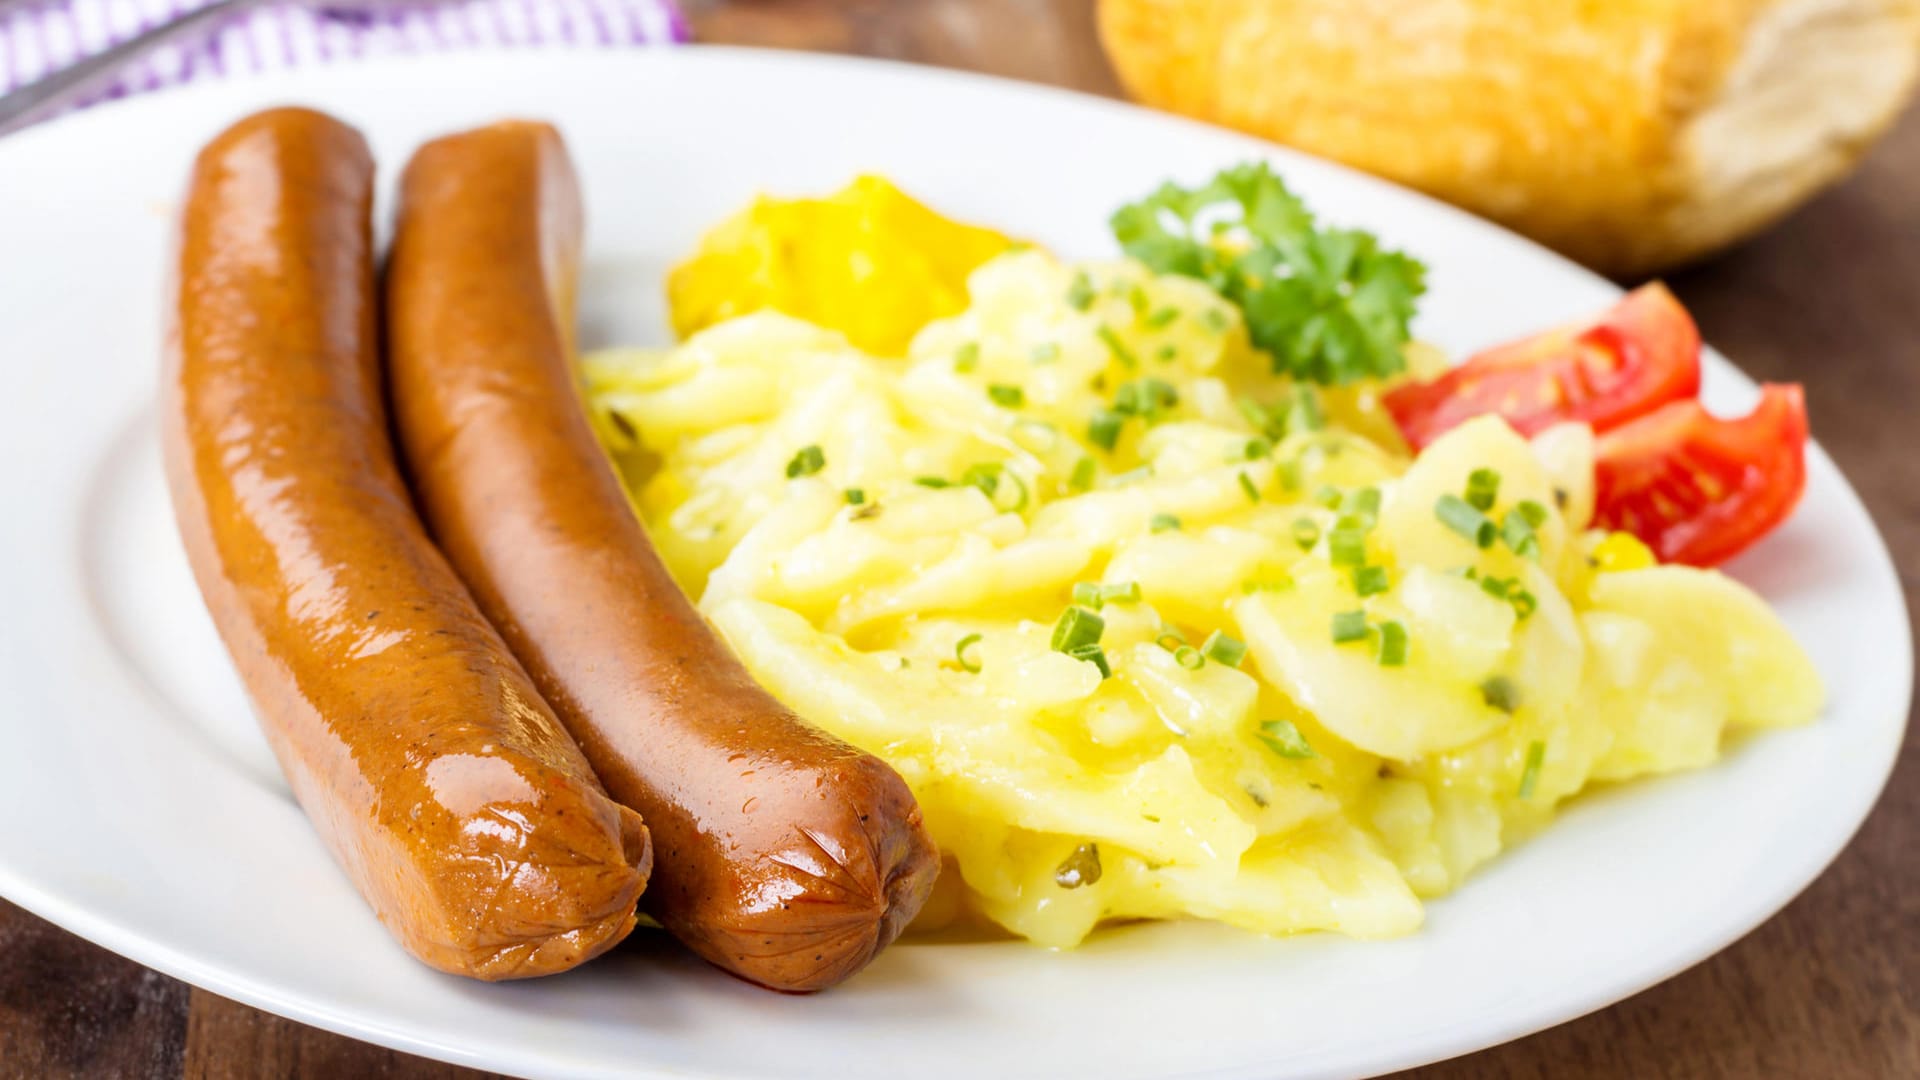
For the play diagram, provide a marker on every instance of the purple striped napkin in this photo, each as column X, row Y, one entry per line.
column 38, row 36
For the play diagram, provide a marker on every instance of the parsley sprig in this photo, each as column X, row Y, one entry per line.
column 1330, row 305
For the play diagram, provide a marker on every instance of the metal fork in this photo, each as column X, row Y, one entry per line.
column 40, row 99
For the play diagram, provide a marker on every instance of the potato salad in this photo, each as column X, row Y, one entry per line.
column 1156, row 621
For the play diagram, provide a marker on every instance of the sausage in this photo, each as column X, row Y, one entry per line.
column 785, row 856
column 429, row 764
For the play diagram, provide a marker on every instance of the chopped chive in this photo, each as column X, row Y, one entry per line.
column 972, row 667
column 1080, row 294
column 1290, row 477
column 1162, row 317
column 1303, row 412
column 1146, row 397
column 1530, row 776
column 1247, row 485
column 1189, row 657
column 1328, row 496
column 1518, row 534
column 1167, row 634
column 987, row 478
column 1163, row 523
column 1347, row 543
column 1483, row 489
column 1393, row 644
column 1535, row 514
column 865, row 512
column 1216, row 320
column 809, row 460
column 1166, row 353
column 1137, row 299
column 1084, row 471
column 1045, row 353
column 933, row 481
column 1121, row 592
column 1349, row 626
column 1493, row 586
column 1370, row 580
column 1077, row 627
column 1117, row 347
column 1306, row 532
column 1257, row 415
column 855, row 496
column 1500, row 693
column 1092, row 654
column 1087, row 594
column 1255, row 449
column 1011, row 397
column 1223, row 649
column 966, row 357
column 1284, row 739
column 1459, row 515
column 1362, row 502
column 1103, row 430
column 1524, row 603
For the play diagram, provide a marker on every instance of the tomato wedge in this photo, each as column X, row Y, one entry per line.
column 1638, row 356
column 1698, row 489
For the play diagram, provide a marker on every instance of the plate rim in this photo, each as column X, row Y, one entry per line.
column 312, row 82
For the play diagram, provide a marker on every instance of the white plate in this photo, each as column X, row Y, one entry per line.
column 147, row 815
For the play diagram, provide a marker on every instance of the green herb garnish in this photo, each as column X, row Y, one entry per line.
column 1530, row 776
column 1103, row 429
column 809, row 460
column 1077, row 627
column 1500, row 693
column 1349, row 626
column 1117, row 347
column 1517, row 531
column 1083, row 474
column 1092, row 654
column 1393, row 644
column 1347, row 543
column 1459, row 515
column 1483, row 489
column 1007, row 396
column 1330, row 305
column 1284, row 739
column 1306, row 533
column 1080, row 294
column 1146, row 398
column 972, row 667
column 1222, row 649
column 1163, row 523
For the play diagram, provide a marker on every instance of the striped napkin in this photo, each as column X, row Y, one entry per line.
column 38, row 36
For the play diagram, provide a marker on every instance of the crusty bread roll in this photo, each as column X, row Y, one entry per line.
column 1630, row 134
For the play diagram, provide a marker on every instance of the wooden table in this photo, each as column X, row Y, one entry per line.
column 1830, row 988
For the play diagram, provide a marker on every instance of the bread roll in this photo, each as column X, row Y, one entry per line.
column 1629, row 134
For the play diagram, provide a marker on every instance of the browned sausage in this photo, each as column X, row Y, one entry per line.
column 785, row 856
column 426, row 759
